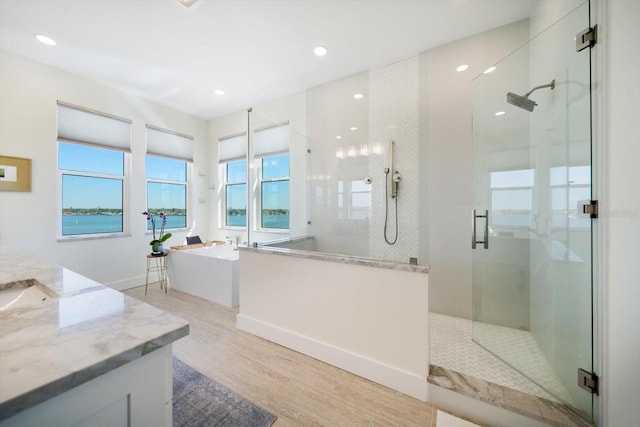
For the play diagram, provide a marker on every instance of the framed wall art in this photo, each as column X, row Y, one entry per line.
column 15, row 174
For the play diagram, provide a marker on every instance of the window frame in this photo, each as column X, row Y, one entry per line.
column 496, row 224
column 261, row 181
column 125, row 178
column 186, row 183
column 569, row 186
column 224, row 168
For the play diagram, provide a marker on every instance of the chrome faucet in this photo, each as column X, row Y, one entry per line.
column 233, row 240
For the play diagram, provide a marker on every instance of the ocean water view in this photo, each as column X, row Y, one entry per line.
column 279, row 221
column 96, row 224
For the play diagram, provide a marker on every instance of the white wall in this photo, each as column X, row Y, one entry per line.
column 28, row 95
column 621, row 214
column 220, row 127
column 291, row 109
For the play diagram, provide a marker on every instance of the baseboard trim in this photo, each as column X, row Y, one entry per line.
column 388, row 376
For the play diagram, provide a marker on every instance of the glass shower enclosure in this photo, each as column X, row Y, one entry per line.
column 532, row 242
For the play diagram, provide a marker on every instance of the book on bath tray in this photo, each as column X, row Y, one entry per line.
column 195, row 242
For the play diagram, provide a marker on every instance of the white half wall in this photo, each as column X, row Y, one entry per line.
column 370, row 321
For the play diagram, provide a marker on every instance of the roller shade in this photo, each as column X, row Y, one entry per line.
column 80, row 125
column 271, row 140
column 232, row 147
column 166, row 143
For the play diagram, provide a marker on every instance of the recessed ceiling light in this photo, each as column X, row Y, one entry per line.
column 187, row 3
column 358, row 95
column 46, row 40
column 462, row 67
column 489, row 70
column 354, row 128
column 320, row 51
column 500, row 113
column 218, row 92
column 338, row 137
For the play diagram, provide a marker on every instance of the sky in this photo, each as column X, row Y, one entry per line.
column 275, row 195
column 93, row 192
column 104, row 192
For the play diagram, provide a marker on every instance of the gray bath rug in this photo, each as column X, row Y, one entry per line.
column 199, row 401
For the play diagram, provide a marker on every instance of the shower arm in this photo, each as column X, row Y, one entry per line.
column 552, row 85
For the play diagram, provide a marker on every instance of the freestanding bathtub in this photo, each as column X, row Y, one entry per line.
column 207, row 272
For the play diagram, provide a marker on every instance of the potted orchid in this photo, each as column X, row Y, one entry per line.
column 156, row 243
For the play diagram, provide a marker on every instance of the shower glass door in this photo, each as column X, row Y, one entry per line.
column 532, row 272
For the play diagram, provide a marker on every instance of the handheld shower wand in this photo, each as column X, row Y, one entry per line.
column 395, row 180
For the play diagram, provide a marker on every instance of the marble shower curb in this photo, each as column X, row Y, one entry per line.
column 553, row 413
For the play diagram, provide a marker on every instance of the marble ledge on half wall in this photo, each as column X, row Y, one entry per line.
column 344, row 259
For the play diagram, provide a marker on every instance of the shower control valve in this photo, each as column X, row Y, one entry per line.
column 397, row 177
column 368, row 180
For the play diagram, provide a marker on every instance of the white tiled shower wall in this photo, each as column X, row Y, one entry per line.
column 388, row 110
column 393, row 116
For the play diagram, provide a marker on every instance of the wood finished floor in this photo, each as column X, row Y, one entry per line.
column 299, row 390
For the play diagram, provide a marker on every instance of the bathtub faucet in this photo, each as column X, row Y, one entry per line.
column 233, row 240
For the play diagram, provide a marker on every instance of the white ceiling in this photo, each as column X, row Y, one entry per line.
column 254, row 50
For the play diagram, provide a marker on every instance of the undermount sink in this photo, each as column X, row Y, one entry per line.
column 22, row 293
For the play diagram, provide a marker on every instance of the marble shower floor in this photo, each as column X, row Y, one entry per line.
column 459, row 364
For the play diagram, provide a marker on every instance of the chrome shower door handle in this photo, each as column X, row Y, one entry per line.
column 474, row 237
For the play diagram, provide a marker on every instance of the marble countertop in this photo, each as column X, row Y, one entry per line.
column 344, row 259
column 49, row 347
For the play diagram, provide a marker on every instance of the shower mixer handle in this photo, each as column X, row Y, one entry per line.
column 395, row 179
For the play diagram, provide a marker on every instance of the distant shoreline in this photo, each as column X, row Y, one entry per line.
column 108, row 212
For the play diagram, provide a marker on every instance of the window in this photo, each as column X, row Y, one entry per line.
column 356, row 199
column 512, row 198
column 233, row 170
column 274, row 192
column 569, row 184
column 93, row 150
column 167, row 190
column 168, row 163
column 272, row 154
column 235, row 193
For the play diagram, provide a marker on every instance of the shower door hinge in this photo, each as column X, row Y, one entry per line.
column 588, row 381
column 588, row 208
column 586, row 38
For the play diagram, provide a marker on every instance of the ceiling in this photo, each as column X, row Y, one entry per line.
column 253, row 50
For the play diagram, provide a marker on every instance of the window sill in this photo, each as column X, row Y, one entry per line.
column 77, row 237
column 169, row 230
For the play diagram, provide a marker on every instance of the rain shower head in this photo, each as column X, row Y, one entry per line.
column 523, row 101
